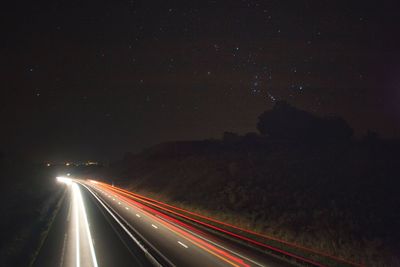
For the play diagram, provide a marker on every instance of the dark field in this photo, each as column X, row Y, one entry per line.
column 30, row 196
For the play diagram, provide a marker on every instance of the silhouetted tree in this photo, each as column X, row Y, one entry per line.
column 252, row 136
column 334, row 127
column 371, row 136
column 372, row 141
column 230, row 137
column 287, row 122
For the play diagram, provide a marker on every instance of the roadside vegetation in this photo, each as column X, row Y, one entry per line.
column 302, row 178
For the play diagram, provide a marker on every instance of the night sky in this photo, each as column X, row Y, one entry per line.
column 92, row 79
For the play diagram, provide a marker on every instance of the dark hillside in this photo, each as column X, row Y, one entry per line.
column 336, row 195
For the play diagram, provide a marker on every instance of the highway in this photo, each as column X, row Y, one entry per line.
column 99, row 226
column 111, row 247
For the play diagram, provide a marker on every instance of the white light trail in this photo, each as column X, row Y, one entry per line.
column 77, row 237
column 148, row 255
column 82, row 230
column 64, row 180
column 89, row 235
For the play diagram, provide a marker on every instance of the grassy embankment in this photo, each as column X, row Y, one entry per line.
column 338, row 198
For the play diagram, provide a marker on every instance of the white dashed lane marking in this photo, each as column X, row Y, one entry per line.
column 183, row 245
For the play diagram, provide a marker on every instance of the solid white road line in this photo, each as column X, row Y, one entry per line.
column 152, row 259
column 77, row 238
column 154, row 226
column 138, row 215
column 86, row 224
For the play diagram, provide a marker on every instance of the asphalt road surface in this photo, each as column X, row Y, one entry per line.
column 96, row 226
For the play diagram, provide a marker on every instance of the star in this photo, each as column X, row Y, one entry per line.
column 255, row 91
column 271, row 97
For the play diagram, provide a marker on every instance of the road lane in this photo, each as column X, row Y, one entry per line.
column 164, row 238
column 53, row 249
column 199, row 249
column 110, row 246
column 97, row 226
column 80, row 249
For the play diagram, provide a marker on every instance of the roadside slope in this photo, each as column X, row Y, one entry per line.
column 317, row 195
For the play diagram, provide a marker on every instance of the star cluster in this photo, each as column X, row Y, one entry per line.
column 99, row 78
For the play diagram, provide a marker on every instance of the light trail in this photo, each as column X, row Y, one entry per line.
column 80, row 250
column 86, row 225
column 211, row 242
column 174, row 210
column 148, row 255
column 84, row 247
column 222, row 255
column 137, row 200
column 77, row 237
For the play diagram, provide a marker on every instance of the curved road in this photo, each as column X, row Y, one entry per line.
column 99, row 227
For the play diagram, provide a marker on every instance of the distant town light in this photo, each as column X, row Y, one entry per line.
column 91, row 163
